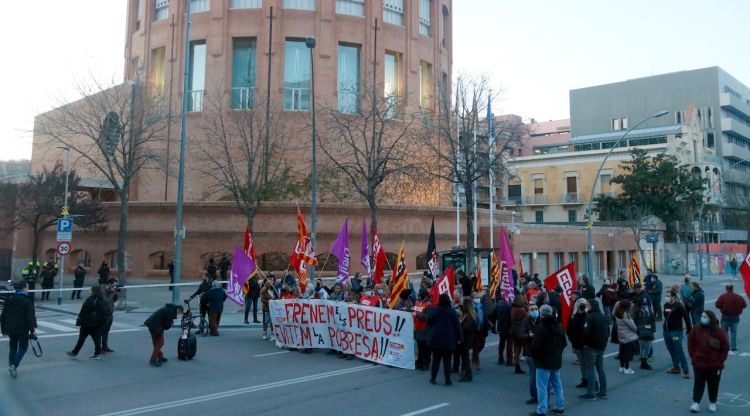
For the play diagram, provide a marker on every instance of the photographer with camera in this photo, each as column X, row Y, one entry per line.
column 109, row 296
column 17, row 321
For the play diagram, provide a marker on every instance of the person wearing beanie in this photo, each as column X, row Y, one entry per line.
column 547, row 349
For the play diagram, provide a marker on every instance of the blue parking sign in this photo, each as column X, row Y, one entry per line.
column 64, row 229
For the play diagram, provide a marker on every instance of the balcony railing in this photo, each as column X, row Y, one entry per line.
column 570, row 198
column 535, row 200
column 195, row 100
column 296, row 99
column 242, row 98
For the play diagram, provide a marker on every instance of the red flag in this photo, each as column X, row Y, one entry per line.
column 400, row 279
column 478, row 283
column 304, row 253
column 564, row 277
column 249, row 245
column 494, row 276
column 446, row 284
column 520, row 267
column 745, row 272
column 379, row 254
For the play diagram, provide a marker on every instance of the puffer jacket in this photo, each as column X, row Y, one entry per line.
column 627, row 332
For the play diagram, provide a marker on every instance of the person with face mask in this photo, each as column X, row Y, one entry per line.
column 526, row 337
column 674, row 315
column 708, row 348
column 370, row 298
column 595, row 337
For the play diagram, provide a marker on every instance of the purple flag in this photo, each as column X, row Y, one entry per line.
column 340, row 249
column 242, row 269
column 364, row 254
column 506, row 264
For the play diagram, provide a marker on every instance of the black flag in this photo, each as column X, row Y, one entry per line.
column 432, row 258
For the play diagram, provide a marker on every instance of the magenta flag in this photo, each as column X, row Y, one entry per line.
column 242, row 269
column 506, row 264
column 340, row 249
column 364, row 254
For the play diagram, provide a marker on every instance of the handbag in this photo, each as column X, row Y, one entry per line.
column 645, row 332
column 713, row 342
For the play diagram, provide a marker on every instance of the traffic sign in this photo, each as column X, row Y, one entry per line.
column 63, row 248
column 64, row 229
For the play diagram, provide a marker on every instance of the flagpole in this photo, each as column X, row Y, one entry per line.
column 458, row 201
column 491, row 172
column 474, row 182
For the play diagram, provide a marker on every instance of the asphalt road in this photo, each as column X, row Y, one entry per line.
column 237, row 373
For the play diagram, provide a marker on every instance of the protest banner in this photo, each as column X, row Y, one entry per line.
column 381, row 335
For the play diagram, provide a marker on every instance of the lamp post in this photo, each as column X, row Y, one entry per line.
column 179, row 230
column 65, row 213
column 700, row 224
column 310, row 43
column 589, row 214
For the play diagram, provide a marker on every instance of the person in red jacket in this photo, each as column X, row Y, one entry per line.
column 708, row 348
column 421, row 334
column 731, row 305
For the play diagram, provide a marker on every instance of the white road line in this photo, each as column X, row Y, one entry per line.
column 69, row 321
column 426, row 409
column 73, row 334
column 271, row 353
column 612, row 354
column 56, row 327
column 237, row 392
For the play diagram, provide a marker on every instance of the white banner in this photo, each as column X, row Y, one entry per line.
column 380, row 335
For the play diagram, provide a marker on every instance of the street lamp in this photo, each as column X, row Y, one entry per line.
column 65, row 213
column 310, row 43
column 589, row 214
column 700, row 223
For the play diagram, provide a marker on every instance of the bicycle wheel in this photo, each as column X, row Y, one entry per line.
column 203, row 327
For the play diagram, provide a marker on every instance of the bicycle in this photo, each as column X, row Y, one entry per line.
column 189, row 321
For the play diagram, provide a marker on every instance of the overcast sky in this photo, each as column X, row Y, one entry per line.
column 535, row 50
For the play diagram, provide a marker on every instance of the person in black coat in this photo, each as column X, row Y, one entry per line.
column 468, row 321
column 160, row 321
column 203, row 288
column 211, row 268
column 576, row 322
column 595, row 337
column 445, row 334
column 48, row 280
column 17, row 321
column 103, row 273
column 224, row 265
column 90, row 319
column 79, row 276
column 501, row 316
column 555, row 302
column 547, row 348
column 251, row 299
column 215, row 302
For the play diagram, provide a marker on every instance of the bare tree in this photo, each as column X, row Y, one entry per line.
column 233, row 156
column 370, row 140
column 462, row 160
column 116, row 131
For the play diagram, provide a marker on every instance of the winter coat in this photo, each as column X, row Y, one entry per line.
column 517, row 316
column 528, row 326
column 18, row 317
column 656, row 290
column 596, row 328
column 702, row 355
column 445, row 329
column 608, row 293
column 92, row 312
column 468, row 331
column 686, row 290
column 48, row 279
column 548, row 344
column 215, row 299
column 730, row 304
column 587, row 291
column 554, row 301
column 253, row 288
column 644, row 321
column 501, row 315
column 696, row 301
column 674, row 315
column 421, row 308
column 162, row 319
column 576, row 323
column 627, row 332
column 109, row 297
column 80, row 275
column 267, row 294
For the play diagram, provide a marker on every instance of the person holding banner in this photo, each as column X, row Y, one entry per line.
column 421, row 333
column 445, row 334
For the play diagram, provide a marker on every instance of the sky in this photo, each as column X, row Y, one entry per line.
column 534, row 50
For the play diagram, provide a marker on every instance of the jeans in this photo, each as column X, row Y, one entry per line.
column 532, row 378
column 544, row 379
column 646, row 350
column 729, row 325
column 444, row 356
column 656, row 304
column 95, row 334
column 579, row 356
column 695, row 316
column 594, row 362
column 104, row 330
column 673, row 341
column 465, row 372
column 18, row 346
column 506, row 344
column 251, row 301
column 703, row 377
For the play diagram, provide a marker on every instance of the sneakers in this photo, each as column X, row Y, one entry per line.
column 583, row 384
column 628, row 371
column 532, row 401
column 621, row 369
column 13, row 372
column 587, row 397
column 107, row 349
column 686, row 374
column 265, row 336
column 96, row 357
column 695, row 407
column 154, row 364
column 162, row 359
column 712, row 407
column 673, row 371
column 246, row 322
column 71, row 354
column 602, row 396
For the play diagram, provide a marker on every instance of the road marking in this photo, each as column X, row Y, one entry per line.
column 69, row 321
column 230, row 393
column 612, row 354
column 426, row 409
column 272, row 353
column 56, row 327
column 73, row 334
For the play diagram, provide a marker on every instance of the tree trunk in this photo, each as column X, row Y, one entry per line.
column 373, row 211
column 121, row 237
column 469, row 228
column 35, row 250
column 249, row 217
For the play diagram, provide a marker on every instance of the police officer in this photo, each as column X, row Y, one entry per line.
column 29, row 274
